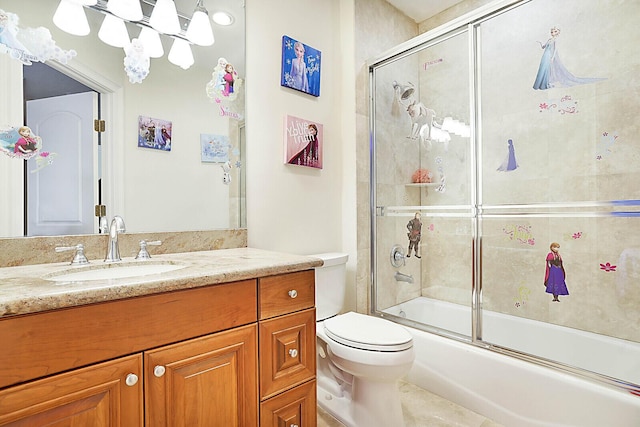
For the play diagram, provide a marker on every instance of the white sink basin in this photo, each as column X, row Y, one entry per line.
column 112, row 271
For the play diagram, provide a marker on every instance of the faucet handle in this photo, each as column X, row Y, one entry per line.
column 397, row 256
column 79, row 258
column 143, row 253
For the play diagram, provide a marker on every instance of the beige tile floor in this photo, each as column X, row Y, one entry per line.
column 424, row 409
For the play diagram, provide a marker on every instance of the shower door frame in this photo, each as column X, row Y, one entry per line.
column 468, row 24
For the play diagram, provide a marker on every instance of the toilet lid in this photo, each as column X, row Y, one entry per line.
column 367, row 332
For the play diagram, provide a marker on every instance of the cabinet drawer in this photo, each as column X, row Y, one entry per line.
column 287, row 352
column 294, row 407
column 286, row 293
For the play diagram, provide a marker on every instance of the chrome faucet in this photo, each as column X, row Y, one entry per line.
column 401, row 277
column 113, row 250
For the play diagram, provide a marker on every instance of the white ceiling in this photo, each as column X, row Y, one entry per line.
column 420, row 10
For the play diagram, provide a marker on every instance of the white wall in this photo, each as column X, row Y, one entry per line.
column 11, row 170
column 290, row 208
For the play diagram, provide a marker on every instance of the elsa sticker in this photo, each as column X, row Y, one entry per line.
column 510, row 162
column 552, row 72
column 19, row 142
column 29, row 45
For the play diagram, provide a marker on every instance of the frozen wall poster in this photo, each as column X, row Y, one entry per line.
column 303, row 142
column 300, row 66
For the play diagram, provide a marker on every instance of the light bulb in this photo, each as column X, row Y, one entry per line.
column 180, row 54
column 150, row 39
column 70, row 18
column 164, row 17
column 222, row 18
column 199, row 31
column 114, row 32
column 126, row 9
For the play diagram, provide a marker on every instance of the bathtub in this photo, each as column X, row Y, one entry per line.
column 514, row 392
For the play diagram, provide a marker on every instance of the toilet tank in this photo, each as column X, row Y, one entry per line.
column 330, row 284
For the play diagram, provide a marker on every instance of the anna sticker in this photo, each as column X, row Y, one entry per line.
column 19, row 142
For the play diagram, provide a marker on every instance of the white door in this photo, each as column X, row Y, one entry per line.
column 61, row 196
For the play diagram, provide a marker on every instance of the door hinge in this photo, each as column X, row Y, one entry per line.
column 98, row 125
column 100, row 210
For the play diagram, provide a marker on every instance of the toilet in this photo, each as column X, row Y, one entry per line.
column 360, row 358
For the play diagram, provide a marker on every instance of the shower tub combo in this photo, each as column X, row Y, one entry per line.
column 503, row 172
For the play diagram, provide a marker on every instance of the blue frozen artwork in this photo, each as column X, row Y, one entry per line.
column 300, row 66
column 214, row 148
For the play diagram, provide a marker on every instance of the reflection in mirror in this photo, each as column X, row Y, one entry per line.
column 62, row 110
column 153, row 190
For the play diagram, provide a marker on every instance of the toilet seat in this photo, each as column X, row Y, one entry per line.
column 367, row 333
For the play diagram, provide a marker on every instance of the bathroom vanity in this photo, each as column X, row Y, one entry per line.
column 226, row 338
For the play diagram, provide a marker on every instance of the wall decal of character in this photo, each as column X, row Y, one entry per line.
column 415, row 233
column 554, row 275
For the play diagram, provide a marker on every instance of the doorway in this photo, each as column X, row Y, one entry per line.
column 63, row 187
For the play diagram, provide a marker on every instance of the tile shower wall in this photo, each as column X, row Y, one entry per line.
column 576, row 149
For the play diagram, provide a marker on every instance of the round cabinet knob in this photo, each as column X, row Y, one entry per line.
column 159, row 371
column 293, row 293
column 132, row 379
column 294, row 425
column 293, row 352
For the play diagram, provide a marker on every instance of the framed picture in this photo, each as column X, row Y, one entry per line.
column 214, row 148
column 300, row 66
column 303, row 142
column 154, row 133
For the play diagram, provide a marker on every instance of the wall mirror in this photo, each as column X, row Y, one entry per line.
column 185, row 188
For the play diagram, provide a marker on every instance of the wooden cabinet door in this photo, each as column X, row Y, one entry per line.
column 287, row 352
column 296, row 407
column 204, row 382
column 108, row 394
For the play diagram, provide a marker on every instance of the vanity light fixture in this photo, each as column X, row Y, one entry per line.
column 163, row 20
column 199, row 31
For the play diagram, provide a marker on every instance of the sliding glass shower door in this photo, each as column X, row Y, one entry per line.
column 423, row 167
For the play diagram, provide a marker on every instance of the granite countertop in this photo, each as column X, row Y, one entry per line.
column 26, row 289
